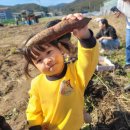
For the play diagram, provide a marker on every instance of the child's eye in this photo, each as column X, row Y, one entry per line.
column 48, row 52
column 38, row 61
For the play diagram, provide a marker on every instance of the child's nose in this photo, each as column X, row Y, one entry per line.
column 48, row 61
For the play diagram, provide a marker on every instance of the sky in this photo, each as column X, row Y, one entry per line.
column 40, row 2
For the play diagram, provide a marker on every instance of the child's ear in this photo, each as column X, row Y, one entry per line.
column 62, row 49
column 75, row 32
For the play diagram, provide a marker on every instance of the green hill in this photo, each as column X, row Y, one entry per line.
column 30, row 6
column 79, row 6
column 76, row 6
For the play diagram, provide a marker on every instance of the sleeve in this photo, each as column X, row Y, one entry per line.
column 87, row 59
column 34, row 111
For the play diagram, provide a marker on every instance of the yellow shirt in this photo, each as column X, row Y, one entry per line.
column 58, row 104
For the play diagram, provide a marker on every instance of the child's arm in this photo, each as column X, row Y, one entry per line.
column 87, row 52
column 34, row 112
column 56, row 31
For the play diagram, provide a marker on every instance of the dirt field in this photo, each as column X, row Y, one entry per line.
column 105, row 98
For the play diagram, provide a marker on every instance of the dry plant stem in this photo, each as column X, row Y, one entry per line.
column 104, row 84
column 120, row 97
column 58, row 30
column 125, row 98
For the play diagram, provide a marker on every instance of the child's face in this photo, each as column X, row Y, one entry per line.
column 50, row 61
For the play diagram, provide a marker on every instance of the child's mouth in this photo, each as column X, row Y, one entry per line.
column 51, row 68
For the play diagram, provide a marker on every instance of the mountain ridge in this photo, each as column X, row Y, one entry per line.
column 65, row 8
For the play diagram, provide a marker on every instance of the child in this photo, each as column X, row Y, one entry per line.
column 57, row 94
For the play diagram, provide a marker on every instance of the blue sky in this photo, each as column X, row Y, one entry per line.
column 42, row 2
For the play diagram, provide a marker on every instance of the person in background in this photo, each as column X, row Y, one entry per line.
column 124, row 9
column 16, row 20
column 107, row 36
column 57, row 94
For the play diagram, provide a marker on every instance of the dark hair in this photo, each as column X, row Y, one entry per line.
column 31, row 52
column 104, row 21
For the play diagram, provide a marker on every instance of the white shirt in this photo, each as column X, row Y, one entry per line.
column 124, row 7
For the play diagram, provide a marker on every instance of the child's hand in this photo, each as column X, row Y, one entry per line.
column 79, row 33
column 74, row 16
column 83, row 33
column 45, row 127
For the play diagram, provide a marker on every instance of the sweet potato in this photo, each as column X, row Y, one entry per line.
column 58, row 30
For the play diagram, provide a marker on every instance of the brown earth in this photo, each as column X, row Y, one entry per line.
column 106, row 100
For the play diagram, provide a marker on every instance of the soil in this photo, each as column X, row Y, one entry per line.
column 105, row 98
